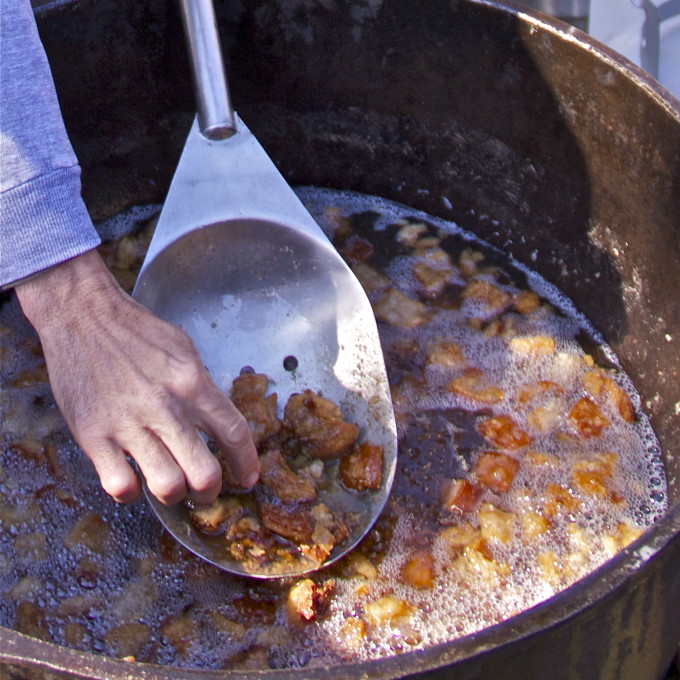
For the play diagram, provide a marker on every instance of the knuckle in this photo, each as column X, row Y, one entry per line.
column 160, row 400
column 122, row 488
column 186, row 375
column 169, row 489
column 180, row 339
column 207, row 480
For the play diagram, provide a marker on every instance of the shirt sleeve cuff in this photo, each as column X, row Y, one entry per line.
column 43, row 222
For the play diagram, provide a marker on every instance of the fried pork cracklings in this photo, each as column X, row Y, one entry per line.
column 283, row 518
column 525, row 461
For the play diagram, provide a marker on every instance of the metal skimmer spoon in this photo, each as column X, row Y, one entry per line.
column 241, row 266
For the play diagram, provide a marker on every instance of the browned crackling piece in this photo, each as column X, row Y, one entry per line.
column 308, row 601
column 361, row 469
column 317, row 423
column 248, row 394
column 283, row 482
column 295, row 524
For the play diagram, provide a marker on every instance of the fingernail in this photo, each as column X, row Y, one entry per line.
column 252, row 478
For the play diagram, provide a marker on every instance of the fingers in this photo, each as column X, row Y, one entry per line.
column 164, row 476
column 116, row 475
column 173, row 457
column 180, row 464
column 202, row 472
column 227, row 426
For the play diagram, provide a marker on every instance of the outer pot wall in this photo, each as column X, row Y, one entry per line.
column 536, row 138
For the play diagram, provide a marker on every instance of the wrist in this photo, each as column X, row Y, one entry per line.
column 51, row 295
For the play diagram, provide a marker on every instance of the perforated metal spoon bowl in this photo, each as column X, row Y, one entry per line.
column 243, row 268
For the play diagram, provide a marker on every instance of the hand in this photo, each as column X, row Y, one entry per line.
column 131, row 384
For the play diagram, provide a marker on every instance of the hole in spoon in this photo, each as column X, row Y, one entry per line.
column 290, row 363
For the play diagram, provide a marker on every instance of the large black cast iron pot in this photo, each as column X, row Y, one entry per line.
column 532, row 135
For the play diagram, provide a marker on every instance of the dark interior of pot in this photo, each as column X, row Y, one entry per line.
column 541, row 142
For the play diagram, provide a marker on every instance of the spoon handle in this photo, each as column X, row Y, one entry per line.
column 215, row 112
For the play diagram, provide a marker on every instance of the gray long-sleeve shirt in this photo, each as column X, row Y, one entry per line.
column 43, row 220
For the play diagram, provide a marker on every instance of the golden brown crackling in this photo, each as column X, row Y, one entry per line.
column 318, row 424
column 361, row 469
column 284, row 483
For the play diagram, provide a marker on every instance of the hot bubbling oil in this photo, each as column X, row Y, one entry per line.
column 79, row 570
